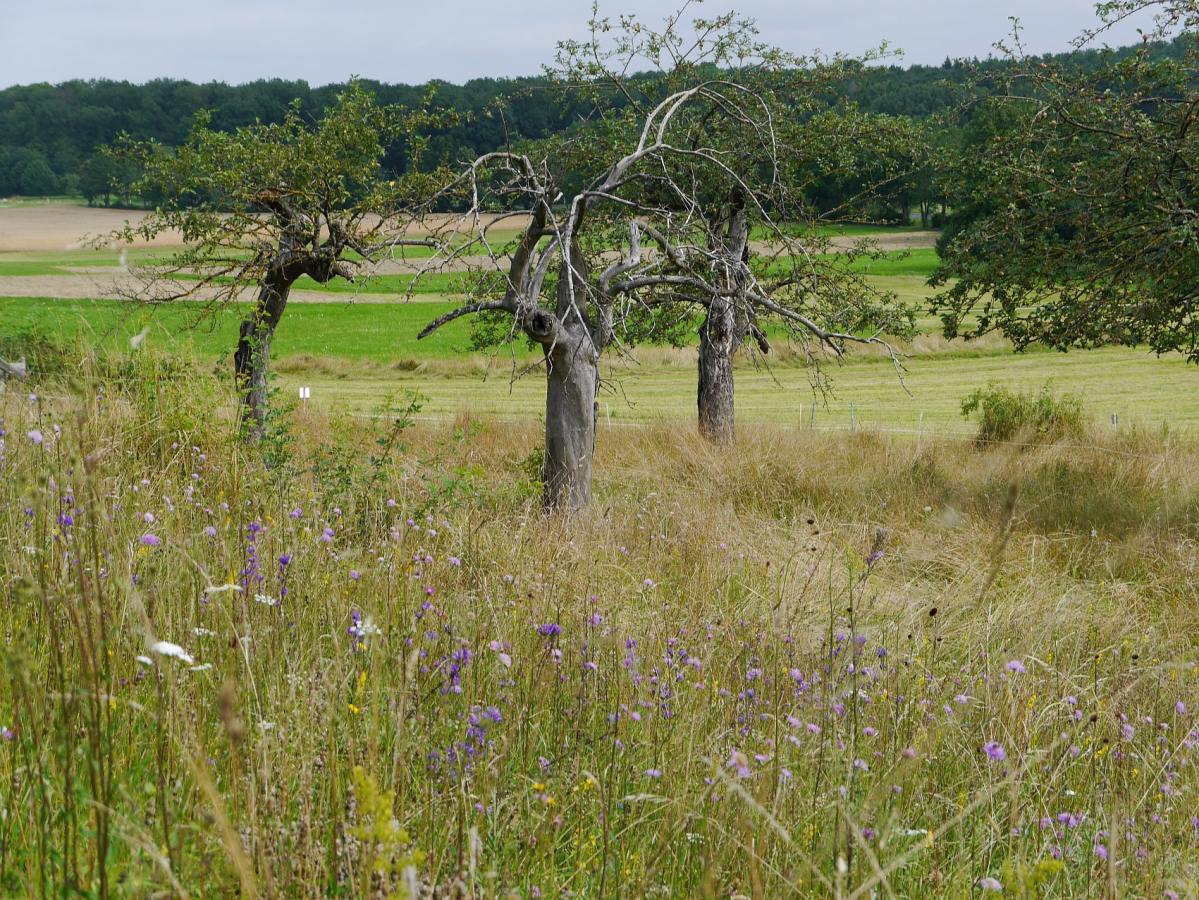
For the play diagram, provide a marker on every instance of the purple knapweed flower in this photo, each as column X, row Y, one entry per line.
column 739, row 764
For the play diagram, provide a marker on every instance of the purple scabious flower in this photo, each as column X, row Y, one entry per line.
column 1016, row 667
column 995, row 750
column 150, row 540
column 549, row 629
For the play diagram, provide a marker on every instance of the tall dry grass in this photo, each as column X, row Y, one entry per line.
column 816, row 665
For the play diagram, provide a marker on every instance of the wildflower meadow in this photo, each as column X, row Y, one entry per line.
column 360, row 661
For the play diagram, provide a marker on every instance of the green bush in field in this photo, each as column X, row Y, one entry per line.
column 1005, row 415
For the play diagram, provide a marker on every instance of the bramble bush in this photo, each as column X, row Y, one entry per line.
column 1007, row 415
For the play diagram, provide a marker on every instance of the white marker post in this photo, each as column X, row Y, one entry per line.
column 305, row 393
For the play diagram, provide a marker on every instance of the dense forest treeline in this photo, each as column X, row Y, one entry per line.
column 49, row 134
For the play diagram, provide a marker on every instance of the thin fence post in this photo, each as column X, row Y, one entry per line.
column 853, row 421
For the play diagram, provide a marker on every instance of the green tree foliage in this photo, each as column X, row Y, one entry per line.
column 262, row 206
column 36, row 178
column 66, row 124
column 1077, row 195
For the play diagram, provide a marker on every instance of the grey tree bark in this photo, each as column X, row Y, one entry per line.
column 725, row 325
column 251, row 360
column 572, row 385
column 717, row 343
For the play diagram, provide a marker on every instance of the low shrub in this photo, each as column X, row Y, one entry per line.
column 1005, row 415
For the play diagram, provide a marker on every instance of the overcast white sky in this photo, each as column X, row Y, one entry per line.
column 406, row 41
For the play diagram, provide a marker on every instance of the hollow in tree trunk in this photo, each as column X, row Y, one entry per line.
column 251, row 361
column 717, row 342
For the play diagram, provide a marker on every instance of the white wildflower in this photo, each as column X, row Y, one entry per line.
column 166, row 648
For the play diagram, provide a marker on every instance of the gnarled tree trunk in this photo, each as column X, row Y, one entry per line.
column 251, row 361
column 717, row 343
column 572, row 384
column 725, row 324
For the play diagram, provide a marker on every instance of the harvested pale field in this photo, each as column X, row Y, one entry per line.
column 60, row 228
column 87, row 286
column 63, row 227
column 67, row 227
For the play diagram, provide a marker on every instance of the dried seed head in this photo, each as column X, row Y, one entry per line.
column 227, row 708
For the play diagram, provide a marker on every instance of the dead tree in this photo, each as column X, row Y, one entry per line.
column 569, row 290
column 736, row 161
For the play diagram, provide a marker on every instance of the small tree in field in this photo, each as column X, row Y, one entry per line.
column 1078, row 201
column 260, row 207
column 619, row 234
column 731, row 201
